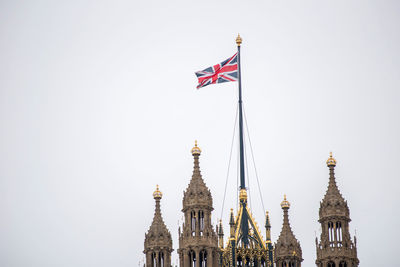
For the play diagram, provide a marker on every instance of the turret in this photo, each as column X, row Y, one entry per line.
column 198, row 242
column 335, row 247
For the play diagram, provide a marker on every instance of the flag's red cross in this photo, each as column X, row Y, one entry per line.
column 226, row 71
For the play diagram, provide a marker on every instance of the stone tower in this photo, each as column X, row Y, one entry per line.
column 158, row 241
column 287, row 248
column 198, row 242
column 335, row 247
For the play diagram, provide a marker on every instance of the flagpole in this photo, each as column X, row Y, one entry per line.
column 242, row 173
column 244, row 225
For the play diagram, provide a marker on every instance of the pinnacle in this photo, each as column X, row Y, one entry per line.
column 333, row 203
column 158, row 232
column 158, row 225
column 287, row 244
column 286, row 236
column 197, row 192
column 333, row 194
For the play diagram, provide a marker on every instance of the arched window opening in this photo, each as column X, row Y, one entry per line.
column 255, row 262
column 203, row 258
column 201, row 221
column 292, row 264
column 342, row 264
column 284, row 264
column 161, row 259
column 193, row 222
column 248, row 262
column 192, row 258
column 331, row 264
column 239, row 262
column 262, row 263
column 331, row 233
column 153, row 259
column 339, row 232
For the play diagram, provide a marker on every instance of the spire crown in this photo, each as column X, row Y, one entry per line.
column 331, row 161
column 285, row 204
column 196, row 151
column 157, row 194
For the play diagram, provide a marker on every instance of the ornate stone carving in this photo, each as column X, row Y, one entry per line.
column 198, row 242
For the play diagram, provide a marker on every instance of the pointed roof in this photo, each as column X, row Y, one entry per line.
column 267, row 223
column 333, row 203
column 267, row 228
column 197, row 192
column 244, row 229
column 287, row 245
column 158, row 234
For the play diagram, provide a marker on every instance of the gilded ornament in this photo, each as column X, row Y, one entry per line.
column 196, row 150
column 285, row 204
column 157, row 194
column 238, row 40
column 243, row 195
column 331, row 160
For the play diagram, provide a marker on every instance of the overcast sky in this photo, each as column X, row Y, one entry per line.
column 98, row 105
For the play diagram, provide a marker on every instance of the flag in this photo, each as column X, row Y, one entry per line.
column 226, row 71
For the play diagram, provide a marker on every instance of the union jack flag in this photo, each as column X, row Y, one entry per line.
column 226, row 71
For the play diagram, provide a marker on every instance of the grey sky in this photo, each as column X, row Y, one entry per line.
column 98, row 105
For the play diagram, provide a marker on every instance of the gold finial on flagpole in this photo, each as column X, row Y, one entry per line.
column 238, row 40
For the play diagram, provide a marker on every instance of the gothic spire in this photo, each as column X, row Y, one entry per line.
column 198, row 242
column 158, row 231
column 287, row 248
column 335, row 247
column 220, row 231
column 197, row 192
column 333, row 202
column 267, row 228
column 158, row 241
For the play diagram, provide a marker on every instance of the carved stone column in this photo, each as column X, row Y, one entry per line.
column 210, row 258
column 186, row 258
column 197, row 251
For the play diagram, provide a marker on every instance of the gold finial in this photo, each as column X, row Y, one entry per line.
column 243, row 194
column 238, row 40
column 285, row 204
column 157, row 194
column 331, row 161
column 196, row 150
